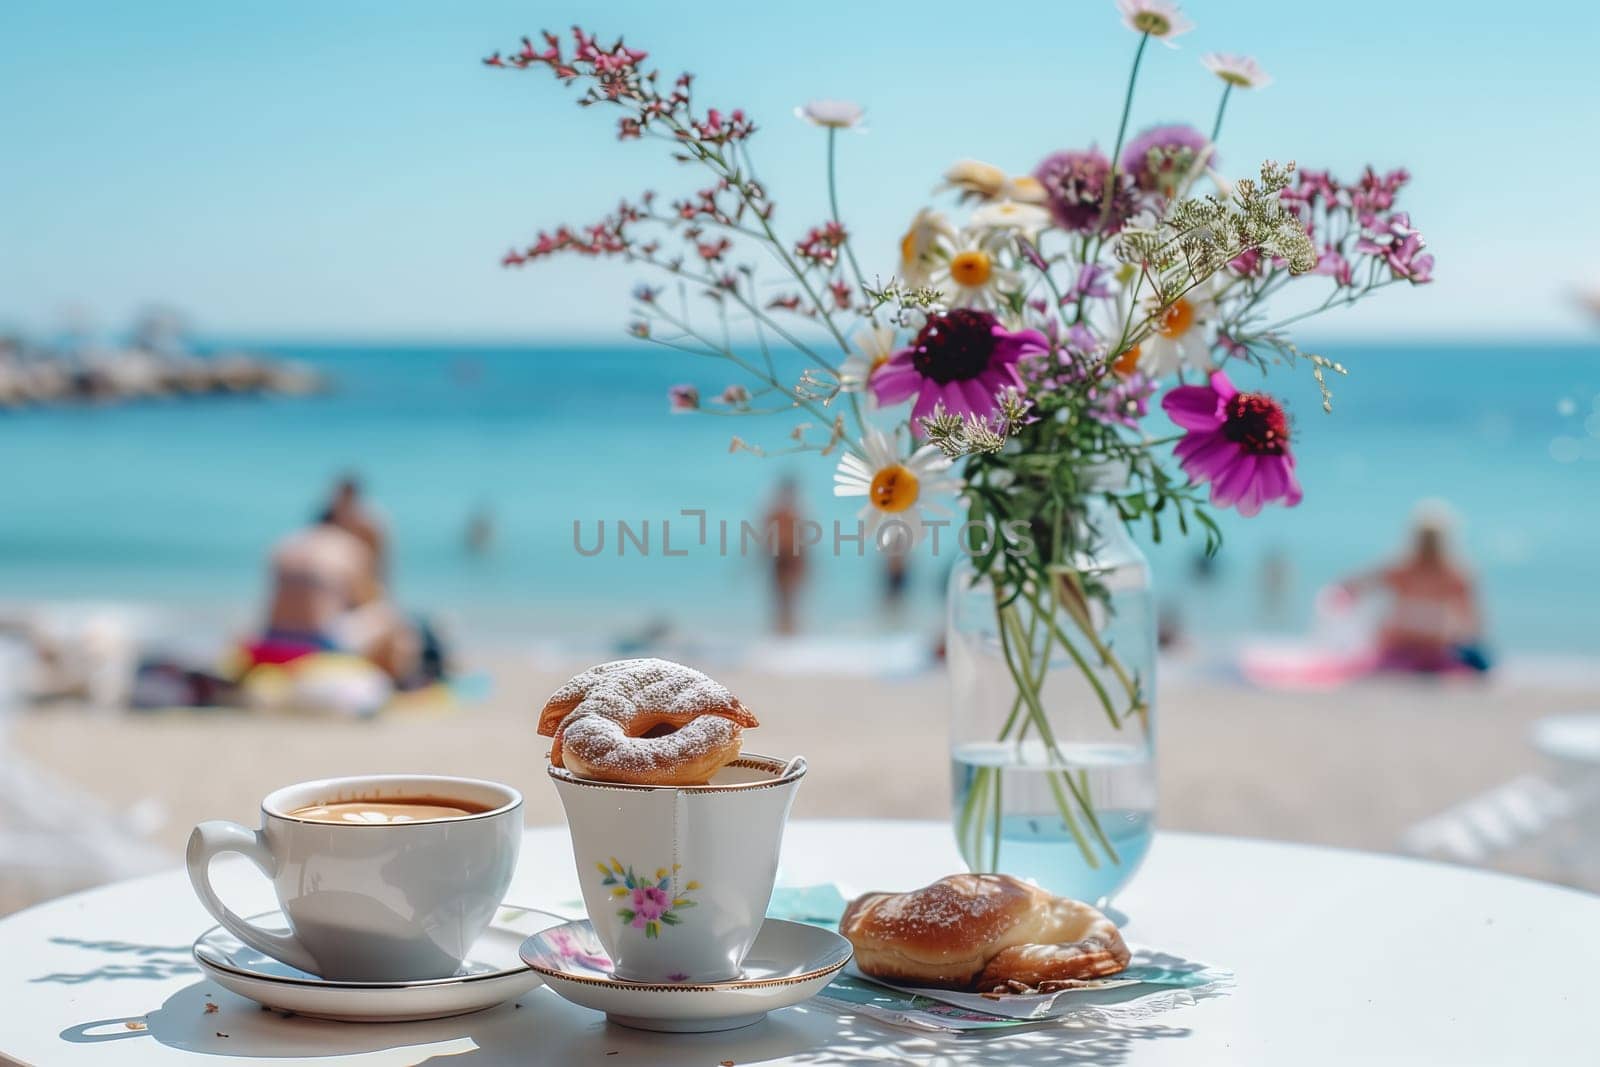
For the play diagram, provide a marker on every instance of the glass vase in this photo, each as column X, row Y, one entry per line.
column 1052, row 679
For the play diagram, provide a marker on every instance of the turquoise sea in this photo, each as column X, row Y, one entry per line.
column 178, row 502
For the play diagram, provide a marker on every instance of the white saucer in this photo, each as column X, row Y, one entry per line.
column 789, row 962
column 492, row 974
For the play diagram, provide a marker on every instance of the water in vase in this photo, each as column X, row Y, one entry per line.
column 1020, row 787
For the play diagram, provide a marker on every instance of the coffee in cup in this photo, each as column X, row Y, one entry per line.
column 372, row 810
column 381, row 878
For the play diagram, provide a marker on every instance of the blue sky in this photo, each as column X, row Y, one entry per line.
column 349, row 169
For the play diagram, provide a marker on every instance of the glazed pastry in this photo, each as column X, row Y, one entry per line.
column 644, row 722
column 988, row 932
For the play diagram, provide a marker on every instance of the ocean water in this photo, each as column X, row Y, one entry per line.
column 179, row 502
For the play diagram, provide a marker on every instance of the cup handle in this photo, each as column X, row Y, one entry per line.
column 211, row 839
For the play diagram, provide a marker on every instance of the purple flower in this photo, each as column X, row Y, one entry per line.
column 683, row 398
column 1231, row 346
column 1125, row 403
column 1334, row 265
column 1075, row 189
column 1068, row 360
column 1399, row 246
column 649, row 903
column 1161, row 157
column 960, row 360
column 1090, row 283
column 1031, row 254
column 1239, row 442
column 1246, row 263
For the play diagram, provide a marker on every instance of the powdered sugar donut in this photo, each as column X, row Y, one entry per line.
column 644, row 722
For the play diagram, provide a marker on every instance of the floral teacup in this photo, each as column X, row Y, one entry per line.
column 676, row 879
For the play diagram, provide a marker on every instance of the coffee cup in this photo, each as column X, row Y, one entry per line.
column 676, row 879
column 381, row 878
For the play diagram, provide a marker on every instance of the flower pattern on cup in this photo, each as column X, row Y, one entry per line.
column 647, row 903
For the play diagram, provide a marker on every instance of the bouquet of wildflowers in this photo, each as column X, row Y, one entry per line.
column 1008, row 357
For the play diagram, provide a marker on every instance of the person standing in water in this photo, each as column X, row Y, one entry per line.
column 1432, row 622
column 782, row 523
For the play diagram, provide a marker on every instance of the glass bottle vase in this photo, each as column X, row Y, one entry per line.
column 1052, row 745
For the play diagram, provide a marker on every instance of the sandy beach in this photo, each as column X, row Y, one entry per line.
column 1351, row 768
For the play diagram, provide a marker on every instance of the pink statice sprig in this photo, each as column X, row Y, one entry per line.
column 614, row 76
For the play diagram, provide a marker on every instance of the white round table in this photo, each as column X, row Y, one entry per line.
column 1341, row 957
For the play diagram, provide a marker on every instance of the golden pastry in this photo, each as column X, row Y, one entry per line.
column 988, row 932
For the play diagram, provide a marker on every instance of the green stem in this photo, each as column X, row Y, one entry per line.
column 1122, row 131
column 1041, row 723
column 833, row 203
column 1113, row 171
column 1216, row 127
column 1077, row 658
column 1107, row 657
column 1072, row 824
column 994, row 841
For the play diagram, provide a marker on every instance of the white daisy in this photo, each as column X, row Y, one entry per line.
column 834, row 114
column 897, row 488
column 1241, row 72
column 971, row 275
column 1180, row 336
column 874, row 346
column 1026, row 189
column 1161, row 19
column 924, row 244
column 1011, row 217
column 974, row 178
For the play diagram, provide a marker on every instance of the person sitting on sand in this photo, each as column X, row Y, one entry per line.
column 326, row 597
column 1432, row 623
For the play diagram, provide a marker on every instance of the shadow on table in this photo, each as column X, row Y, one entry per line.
column 133, row 960
column 541, row 1028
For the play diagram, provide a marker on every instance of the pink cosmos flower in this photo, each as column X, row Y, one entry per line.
column 1239, row 442
column 960, row 360
column 649, row 903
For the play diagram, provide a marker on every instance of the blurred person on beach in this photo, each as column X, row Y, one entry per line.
column 347, row 510
column 1432, row 621
column 326, row 597
column 478, row 536
column 782, row 523
column 1277, row 583
column 896, row 577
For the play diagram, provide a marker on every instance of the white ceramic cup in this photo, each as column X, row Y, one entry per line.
column 377, row 901
column 676, row 879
